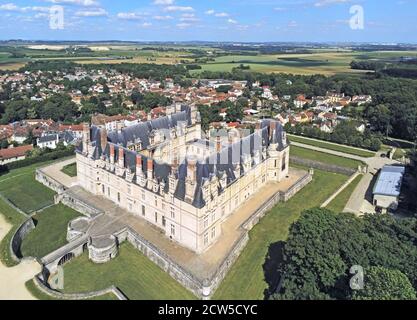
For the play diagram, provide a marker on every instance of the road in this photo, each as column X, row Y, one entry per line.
column 360, row 201
column 12, row 280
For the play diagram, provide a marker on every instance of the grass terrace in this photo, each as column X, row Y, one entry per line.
column 332, row 146
column 324, row 157
column 133, row 273
column 20, row 188
column 70, row 170
column 50, row 232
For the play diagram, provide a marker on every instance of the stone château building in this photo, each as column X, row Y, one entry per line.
column 164, row 171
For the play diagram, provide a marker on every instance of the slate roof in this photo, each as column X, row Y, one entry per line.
column 216, row 164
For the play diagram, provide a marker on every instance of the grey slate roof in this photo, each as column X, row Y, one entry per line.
column 217, row 164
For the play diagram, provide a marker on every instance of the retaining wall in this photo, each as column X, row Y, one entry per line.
column 323, row 166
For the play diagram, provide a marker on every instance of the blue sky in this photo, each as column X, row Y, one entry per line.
column 211, row 20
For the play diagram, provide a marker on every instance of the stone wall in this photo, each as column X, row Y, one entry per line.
column 77, row 205
column 162, row 260
column 49, row 182
column 77, row 296
column 18, row 237
column 322, row 166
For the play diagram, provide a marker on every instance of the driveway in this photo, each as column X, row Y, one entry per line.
column 360, row 201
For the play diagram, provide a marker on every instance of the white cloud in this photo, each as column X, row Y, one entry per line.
column 13, row 7
column 231, row 21
column 178, row 8
column 129, row 16
column 146, row 25
column 221, row 14
column 210, row 12
column 183, row 25
column 163, row 2
column 83, row 3
column 9, row 7
column 190, row 17
column 99, row 12
column 163, row 17
column 322, row 3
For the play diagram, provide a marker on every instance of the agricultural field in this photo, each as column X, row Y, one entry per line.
column 133, row 273
column 50, row 232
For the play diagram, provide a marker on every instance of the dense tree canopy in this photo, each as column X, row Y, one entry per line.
column 323, row 246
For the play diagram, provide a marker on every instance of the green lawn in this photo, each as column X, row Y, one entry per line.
column 324, row 157
column 50, row 232
column 133, row 273
column 70, row 170
column 339, row 203
column 334, row 147
column 20, row 187
column 33, row 289
column 247, row 279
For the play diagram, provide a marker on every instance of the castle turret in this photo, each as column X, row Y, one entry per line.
column 121, row 161
column 112, row 153
column 86, row 138
column 150, row 173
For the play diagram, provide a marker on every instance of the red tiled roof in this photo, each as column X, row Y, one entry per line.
column 14, row 152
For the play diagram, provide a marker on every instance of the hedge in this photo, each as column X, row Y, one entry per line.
column 54, row 155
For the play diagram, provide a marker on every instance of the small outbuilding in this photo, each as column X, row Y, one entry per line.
column 387, row 189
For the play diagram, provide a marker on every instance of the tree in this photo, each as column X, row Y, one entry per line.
column 385, row 284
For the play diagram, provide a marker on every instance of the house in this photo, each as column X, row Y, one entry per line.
column 387, row 189
column 14, row 154
column 49, row 141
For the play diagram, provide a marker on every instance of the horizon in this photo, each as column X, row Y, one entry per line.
column 262, row 21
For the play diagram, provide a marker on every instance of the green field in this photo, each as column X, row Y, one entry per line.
column 339, row 203
column 334, row 147
column 324, row 157
column 70, row 170
column 250, row 276
column 133, row 273
column 50, row 232
column 20, row 187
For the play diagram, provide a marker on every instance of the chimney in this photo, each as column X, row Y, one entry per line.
column 103, row 139
column 150, row 168
column 192, row 169
column 272, row 126
column 86, row 136
column 218, row 144
column 111, row 153
column 138, row 164
column 121, row 157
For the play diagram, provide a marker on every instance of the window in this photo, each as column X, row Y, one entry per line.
column 164, row 221
column 108, row 191
column 143, row 211
column 118, row 197
column 129, row 189
column 156, row 201
column 284, row 162
column 213, row 232
column 103, row 189
column 172, row 213
column 223, row 211
column 143, row 195
column 213, row 217
column 130, row 207
column 172, row 230
column 206, row 220
column 156, row 217
column 206, row 239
